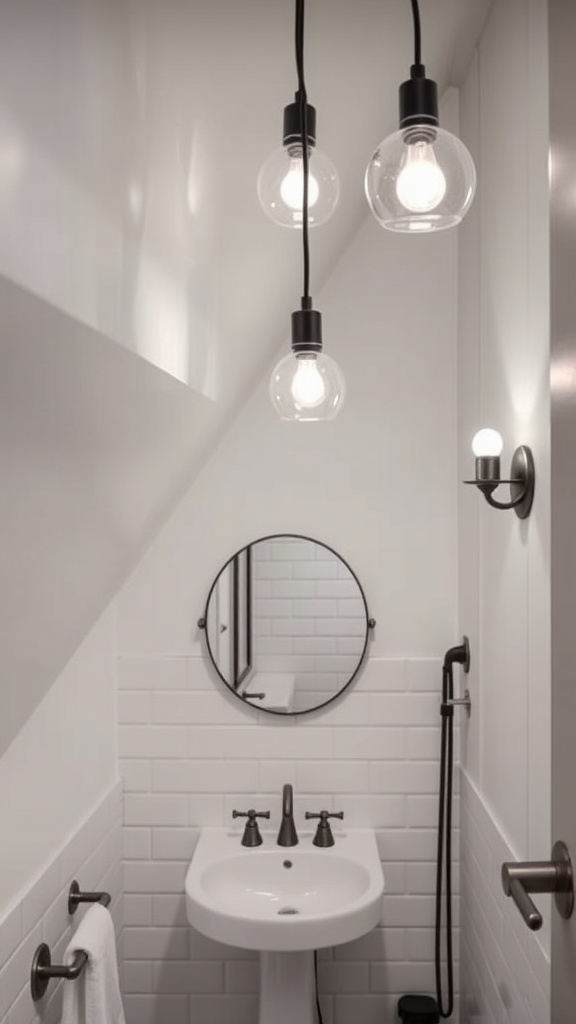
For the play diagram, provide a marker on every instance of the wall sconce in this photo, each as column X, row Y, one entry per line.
column 487, row 446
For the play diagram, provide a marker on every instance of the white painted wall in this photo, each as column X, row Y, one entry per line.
column 505, row 563
column 379, row 485
column 376, row 484
column 60, row 764
column 129, row 228
column 127, row 194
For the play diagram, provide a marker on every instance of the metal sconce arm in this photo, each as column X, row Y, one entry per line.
column 503, row 504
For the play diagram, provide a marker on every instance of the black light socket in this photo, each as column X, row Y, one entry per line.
column 292, row 134
column 487, row 468
column 487, row 473
column 418, row 99
column 306, row 329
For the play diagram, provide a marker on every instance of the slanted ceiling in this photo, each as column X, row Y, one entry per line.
column 142, row 290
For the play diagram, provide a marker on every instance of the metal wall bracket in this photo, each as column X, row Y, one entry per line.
column 523, row 877
column 461, row 702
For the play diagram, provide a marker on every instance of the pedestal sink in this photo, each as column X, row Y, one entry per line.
column 285, row 902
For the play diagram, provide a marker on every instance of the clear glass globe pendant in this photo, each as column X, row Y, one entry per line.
column 280, row 181
column 307, row 384
column 421, row 178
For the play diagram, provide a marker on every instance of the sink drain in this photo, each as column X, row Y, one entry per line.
column 288, row 910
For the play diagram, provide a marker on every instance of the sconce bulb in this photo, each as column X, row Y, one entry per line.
column 421, row 184
column 487, row 443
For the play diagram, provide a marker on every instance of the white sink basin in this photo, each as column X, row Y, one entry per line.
column 279, row 898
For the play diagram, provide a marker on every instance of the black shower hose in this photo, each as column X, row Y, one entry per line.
column 444, row 852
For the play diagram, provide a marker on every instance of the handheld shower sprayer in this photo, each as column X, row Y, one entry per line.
column 459, row 655
column 425, row 1008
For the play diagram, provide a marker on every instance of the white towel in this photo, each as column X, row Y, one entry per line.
column 94, row 998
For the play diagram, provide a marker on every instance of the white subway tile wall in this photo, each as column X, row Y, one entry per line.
column 93, row 856
column 193, row 752
column 309, row 619
column 506, row 972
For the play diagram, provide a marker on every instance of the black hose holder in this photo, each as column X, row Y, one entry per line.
column 418, row 1010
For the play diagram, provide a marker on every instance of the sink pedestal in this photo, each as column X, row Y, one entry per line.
column 287, row 988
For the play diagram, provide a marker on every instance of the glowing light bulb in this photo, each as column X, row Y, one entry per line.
column 281, row 192
column 308, row 388
column 420, row 179
column 421, row 184
column 292, row 186
column 487, row 443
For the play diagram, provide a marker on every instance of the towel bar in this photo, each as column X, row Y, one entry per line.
column 42, row 967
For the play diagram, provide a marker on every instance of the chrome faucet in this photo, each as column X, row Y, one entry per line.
column 287, row 836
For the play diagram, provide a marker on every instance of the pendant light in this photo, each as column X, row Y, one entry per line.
column 306, row 384
column 280, row 180
column 421, row 178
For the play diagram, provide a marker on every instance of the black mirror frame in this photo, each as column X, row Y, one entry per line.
column 202, row 624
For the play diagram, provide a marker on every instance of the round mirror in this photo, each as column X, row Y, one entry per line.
column 286, row 624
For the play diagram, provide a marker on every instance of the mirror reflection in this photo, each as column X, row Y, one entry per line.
column 286, row 624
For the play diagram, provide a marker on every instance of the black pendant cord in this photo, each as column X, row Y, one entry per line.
column 303, row 101
column 417, row 33
column 444, row 851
